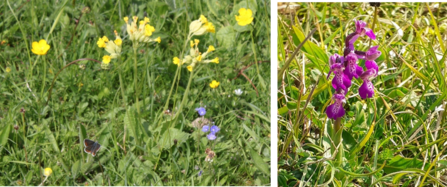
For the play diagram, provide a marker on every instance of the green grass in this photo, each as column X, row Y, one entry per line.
column 141, row 144
column 396, row 138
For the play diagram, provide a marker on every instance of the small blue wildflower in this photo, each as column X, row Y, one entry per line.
column 206, row 128
column 214, row 129
column 200, row 173
column 201, row 111
column 211, row 136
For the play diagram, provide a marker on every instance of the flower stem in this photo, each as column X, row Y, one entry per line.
column 254, row 50
column 185, row 95
column 44, row 77
column 337, row 132
column 135, row 46
column 179, row 67
column 121, row 85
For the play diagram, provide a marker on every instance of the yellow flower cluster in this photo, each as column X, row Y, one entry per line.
column 201, row 26
column 112, row 47
column 195, row 56
column 40, row 48
column 142, row 32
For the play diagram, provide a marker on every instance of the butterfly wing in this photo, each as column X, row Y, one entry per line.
column 95, row 148
column 91, row 146
column 88, row 142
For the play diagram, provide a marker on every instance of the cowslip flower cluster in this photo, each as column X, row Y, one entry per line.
column 345, row 68
column 195, row 56
column 201, row 27
column 112, row 47
column 142, row 32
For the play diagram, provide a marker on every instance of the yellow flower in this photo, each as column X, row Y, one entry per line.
column 106, row 59
column 126, row 19
column 80, row 84
column 141, row 32
column 211, row 48
column 191, row 43
column 201, row 26
column 105, row 39
column 158, row 39
column 214, row 84
column 210, row 27
column 176, row 60
column 203, row 19
column 189, row 68
column 199, row 58
column 8, row 69
column 118, row 42
column 245, row 17
column 148, row 29
column 40, row 48
column 215, row 60
column 196, row 41
column 114, row 48
column 101, row 43
column 47, row 172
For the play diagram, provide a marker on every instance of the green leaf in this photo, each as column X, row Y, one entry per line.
column 283, row 110
column 364, row 140
column 399, row 163
column 51, row 139
column 291, row 105
column 75, row 169
column 130, row 122
column 226, row 37
column 251, row 132
column 167, row 139
column 315, row 54
column 4, row 135
column 259, row 163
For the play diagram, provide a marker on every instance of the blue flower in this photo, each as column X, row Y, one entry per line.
column 205, row 128
column 214, row 129
column 211, row 136
column 200, row 173
column 201, row 111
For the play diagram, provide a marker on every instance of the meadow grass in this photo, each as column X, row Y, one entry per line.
column 395, row 138
column 141, row 107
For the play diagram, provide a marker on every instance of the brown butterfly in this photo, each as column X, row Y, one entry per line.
column 91, row 146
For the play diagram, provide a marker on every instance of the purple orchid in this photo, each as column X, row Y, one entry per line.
column 345, row 68
column 361, row 30
column 336, row 110
column 367, row 88
column 340, row 79
column 352, row 69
